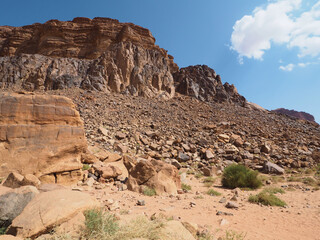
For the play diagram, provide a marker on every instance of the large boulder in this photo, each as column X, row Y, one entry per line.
column 41, row 135
column 155, row 174
column 13, row 202
column 270, row 167
column 48, row 210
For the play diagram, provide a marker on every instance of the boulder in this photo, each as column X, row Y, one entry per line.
column 155, row 174
column 13, row 202
column 270, row 167
column 41, row 135
column 48, row 210
column 174, row 230
column 14, row 180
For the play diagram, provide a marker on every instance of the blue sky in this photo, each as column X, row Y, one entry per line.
column 270, row 50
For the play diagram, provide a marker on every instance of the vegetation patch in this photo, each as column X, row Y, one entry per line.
column 185, row 187
column 209, row 181
column 233, row 235
column 267, row 198
column 274, row 190
column 240, row 176
column 149, row 191
column 3, row 230
column 85, row 167
column 213, row 192
column 100, row 225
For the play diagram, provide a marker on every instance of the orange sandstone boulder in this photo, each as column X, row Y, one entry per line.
column 41, row 135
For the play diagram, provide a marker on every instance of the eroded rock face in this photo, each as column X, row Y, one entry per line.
column 155, row 174
column 41, row 135
column 203, row 83
column 100, row 54
column 296, row 114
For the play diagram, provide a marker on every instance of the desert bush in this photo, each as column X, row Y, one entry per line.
column 213, row 192
column 240, row 176
column 233, row 235
column 185, row 187
column 209, row 181
column 149, row 191
column 267, row 199
column 3, row 230
column 100, row 225
column 85, row 167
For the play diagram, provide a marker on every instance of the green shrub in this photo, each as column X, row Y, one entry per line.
column 240, row 176
column 3, row 230
column 85, row 167
column 185, row 187
column 149, row 191
column 267, row 199
column 198, row 175
column 99, row 225
column 213, row 192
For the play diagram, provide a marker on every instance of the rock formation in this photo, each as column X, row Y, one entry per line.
column 203, row 83
column 100, row 54
column 296, row 114
column 41, row 135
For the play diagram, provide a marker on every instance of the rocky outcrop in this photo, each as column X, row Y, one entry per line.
column 100, row 54
column 41, row 135
column 48, row 210
column 154, row 174
column 13, row 202
column 203, row 83
column 296, row 114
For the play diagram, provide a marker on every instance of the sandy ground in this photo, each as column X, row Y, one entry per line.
column 299, row 221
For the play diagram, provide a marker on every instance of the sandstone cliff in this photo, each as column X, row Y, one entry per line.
column 41, row 135
column 203, row 83
column 101, row 54
column 296, row 114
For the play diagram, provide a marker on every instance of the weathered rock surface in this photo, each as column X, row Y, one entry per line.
column 50, row 209
column 155, row 174
column 41, row 135
column 174, row 230
column 13, row 202
column 203, row 83
column 296, row 114
column 100, row 54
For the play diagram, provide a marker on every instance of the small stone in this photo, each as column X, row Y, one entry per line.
column 223, row 222
column 141, row 203
column 120, row 135
column 232, row 205
column 223, row 200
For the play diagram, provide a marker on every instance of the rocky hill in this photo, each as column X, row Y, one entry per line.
column 296, row 114
column 204, row 84
column 101, row 54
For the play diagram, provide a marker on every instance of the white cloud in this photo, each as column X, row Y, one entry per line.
column 291, row 66
column 275, row 24
column 287, row 68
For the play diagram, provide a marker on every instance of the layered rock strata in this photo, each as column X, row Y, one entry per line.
column 41, row 135
column 101, row 54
